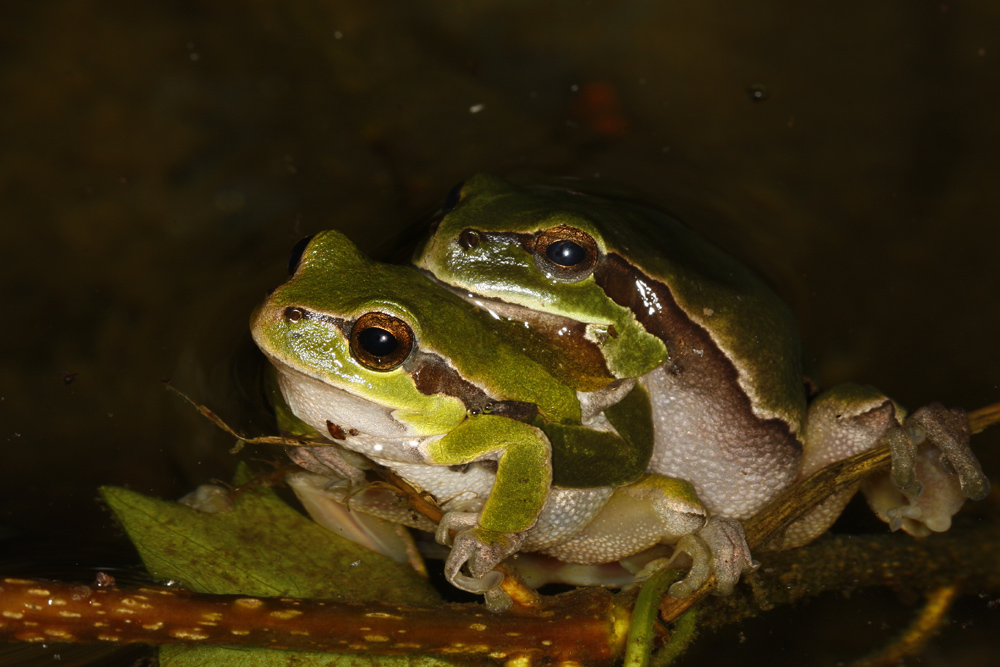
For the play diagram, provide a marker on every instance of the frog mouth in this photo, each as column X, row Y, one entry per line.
column 575, row 340
column 335, row 412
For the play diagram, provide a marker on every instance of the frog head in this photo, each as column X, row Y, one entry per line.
column 375, row 348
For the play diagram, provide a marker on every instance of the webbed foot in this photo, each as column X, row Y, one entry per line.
column 947, row 430
column 924, row 507
column 372, row 516
column 719, row 548
column 479, row 551
column 332, row 461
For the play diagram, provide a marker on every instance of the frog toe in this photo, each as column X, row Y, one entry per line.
column 927, row 506
column 481, row 586
column 948, row 430
column 454, row 523
column 479, row 551
column 897, row 516
column 719, row 548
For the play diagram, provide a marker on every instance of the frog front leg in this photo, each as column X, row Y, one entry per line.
column 523, row 480
column 849, row 419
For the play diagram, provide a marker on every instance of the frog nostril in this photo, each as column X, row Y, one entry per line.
column 468, row 239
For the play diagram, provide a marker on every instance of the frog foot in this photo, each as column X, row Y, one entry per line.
column 946, row 430
column 479, row 551
column 927, row 506
column 333, row 461
column 210, row 499
column 374, row 517
column 719, row 548
column 460, row 516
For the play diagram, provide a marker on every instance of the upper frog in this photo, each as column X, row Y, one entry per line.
column 628, row 273
column 389, row 365
column 633, row 293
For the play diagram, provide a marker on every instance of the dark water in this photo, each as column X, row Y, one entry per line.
column 159, row 159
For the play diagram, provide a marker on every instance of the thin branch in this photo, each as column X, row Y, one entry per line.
column 584, row 626
column 967, row 557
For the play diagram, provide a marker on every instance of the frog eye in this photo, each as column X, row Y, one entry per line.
column 296, row 255
column 566, row 253
column 381, row 342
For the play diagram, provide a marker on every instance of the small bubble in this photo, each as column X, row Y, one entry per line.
column 758, row 93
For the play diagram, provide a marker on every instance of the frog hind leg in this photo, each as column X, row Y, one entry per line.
column 849, row 419
column 663, row 510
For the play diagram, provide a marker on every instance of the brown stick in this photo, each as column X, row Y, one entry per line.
column 584, row 626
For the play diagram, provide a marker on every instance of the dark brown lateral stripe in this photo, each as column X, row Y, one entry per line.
column 433, row 376
column 693, row 355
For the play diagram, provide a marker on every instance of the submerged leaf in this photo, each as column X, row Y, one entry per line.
column 262, row 548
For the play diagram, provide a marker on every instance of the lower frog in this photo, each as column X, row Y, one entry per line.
column 386, row 364
column 637, row 295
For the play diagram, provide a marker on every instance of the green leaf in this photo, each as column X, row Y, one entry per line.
column 264, row 548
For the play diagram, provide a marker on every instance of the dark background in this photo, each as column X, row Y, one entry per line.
column 159, row 159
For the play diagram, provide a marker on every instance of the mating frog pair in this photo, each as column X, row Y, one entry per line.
column 585, row 378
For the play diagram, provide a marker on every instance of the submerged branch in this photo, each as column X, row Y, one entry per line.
column 967, row 557
column 584, row 626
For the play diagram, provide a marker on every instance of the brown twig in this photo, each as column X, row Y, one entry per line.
column 584, row 626
column 966, row 556
column 983, row 417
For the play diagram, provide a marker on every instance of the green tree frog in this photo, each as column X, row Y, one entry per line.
column 386, row 364
column 640, row 296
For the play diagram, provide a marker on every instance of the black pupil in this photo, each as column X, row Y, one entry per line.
column 377, row 342
column 566, row 253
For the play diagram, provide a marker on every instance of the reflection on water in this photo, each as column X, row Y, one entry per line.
column 160, row 159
